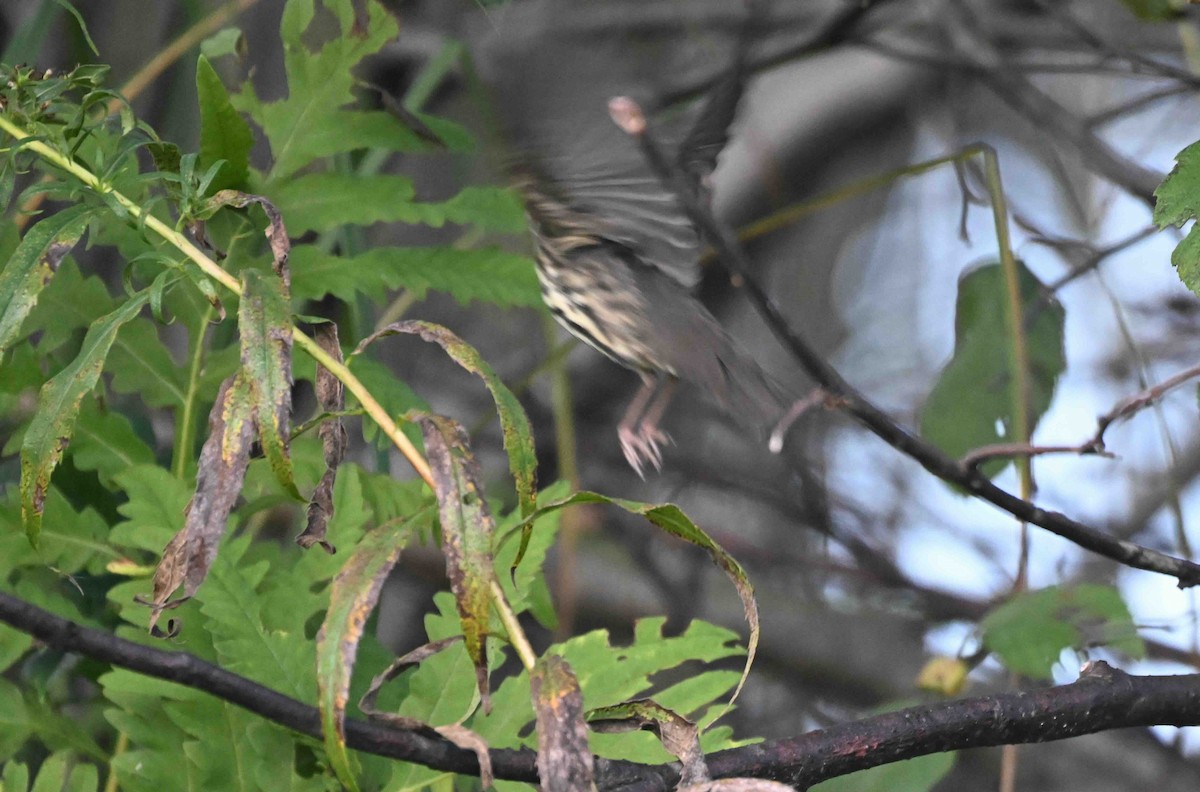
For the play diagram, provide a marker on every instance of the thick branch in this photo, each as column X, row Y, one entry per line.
column 1102, row 699
column 626, row 114
column 190, row 670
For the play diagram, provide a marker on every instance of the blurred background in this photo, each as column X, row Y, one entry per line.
column 864, row 564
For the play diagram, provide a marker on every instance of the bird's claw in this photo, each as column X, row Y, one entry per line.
column 643, row 445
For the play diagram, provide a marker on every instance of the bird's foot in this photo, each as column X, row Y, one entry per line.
column 642, row 446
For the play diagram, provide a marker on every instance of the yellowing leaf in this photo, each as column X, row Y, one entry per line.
column 467, row 528
column 58, row 404
column 33, row 264
column 353, row 597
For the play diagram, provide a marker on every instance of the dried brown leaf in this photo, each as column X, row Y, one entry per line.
column 564, row 759
column 331, row 396
column 222, row 469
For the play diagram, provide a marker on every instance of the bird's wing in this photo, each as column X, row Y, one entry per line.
column 551, row 86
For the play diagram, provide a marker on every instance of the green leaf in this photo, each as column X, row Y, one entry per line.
column 154, row 509
column 610, row 675
column 34, row 263
column 1154, row 10
column 489, row 274
column 61, row 772
column 227, row 41
column 265, row 322
column 355, row 592
column 1031, row 630
column 912, row 775
column 106, row 443
column 15, row 727
column 321, row 201
column 141, row 365
column 526, row 586
column 671, row 519
column 16, row 777
column 972, row 404
column 58, row 403
column 13, row 646
column 224, row 134
column 245, row 645
column 518, row 434
column 310, row 123
column 70, row 303
column 467, row 530
column 1177, row 201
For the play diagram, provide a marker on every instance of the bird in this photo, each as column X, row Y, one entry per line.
column 617, row 258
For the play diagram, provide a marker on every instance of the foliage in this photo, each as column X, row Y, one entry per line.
column 109, row 517
column 971, row 404
column 102, row 498
column 1030, row 631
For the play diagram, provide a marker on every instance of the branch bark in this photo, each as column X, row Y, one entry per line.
column 733, row 257
column 1103, row 698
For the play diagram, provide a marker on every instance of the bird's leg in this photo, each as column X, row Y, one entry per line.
column 648, row 428
column 635, row 445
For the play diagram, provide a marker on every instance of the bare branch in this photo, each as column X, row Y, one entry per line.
column 730, row 253
column 1102, row 699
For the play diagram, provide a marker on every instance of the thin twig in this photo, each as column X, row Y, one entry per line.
column 628, row 115
column 1137, row 402
column 978, row 456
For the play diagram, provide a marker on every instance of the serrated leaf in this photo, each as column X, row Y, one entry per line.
column 671, row 519
column 14, row 725
column 16, row 777
column 68, row 304
column 222, row 468
column 154, row 509
column 34, row 263
column 140, row 364
column 972, row 403
column 518, row 434
column 235, row 619
column 265, row 323
column 526, row 586
column 61, row 772
column 1031, row 630
column 224, row 134
column 310, row 123
column 488, row 274
column 467, row 530
column 912, row 775
column 564, row 758
column 1176, row 201
column 354, row 594
column 58, row 403
column 106, row 443
column 13, row 645
column 321, row 201
column 610, row 674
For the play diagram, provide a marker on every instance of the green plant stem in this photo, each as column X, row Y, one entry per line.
column 372, row 406
column 110, row 783
column 790, row 214
column 516, row 636
column 1018, row 350
column 568, row 470
column 185, row 433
